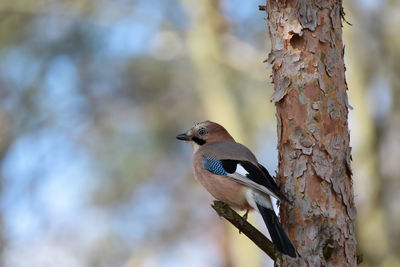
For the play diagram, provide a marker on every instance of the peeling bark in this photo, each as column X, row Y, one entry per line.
column 313, row 136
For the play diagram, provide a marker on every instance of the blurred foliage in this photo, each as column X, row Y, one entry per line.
column 92, row 94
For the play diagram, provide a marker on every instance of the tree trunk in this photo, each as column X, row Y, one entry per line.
column 313, row 136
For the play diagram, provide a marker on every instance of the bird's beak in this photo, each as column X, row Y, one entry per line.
column 184, row 137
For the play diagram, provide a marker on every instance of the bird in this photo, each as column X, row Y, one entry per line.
column 232, row 174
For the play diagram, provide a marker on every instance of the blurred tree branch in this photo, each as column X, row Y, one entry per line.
column 246, row 228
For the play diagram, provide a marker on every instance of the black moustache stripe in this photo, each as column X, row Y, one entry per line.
column 198, row 141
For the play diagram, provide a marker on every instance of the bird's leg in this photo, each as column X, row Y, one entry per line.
column 245, row 215
column 244, row 218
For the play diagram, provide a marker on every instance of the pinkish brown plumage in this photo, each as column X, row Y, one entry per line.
column 225, row 190
column 231, row 173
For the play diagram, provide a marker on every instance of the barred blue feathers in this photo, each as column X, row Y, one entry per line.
column 214, row 166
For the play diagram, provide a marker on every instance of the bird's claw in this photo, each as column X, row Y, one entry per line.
column 244, row 218
column 245, row 215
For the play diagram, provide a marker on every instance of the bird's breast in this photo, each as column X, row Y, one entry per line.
column 219, row 186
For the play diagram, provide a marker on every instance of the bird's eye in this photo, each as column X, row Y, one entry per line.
column 202, row 131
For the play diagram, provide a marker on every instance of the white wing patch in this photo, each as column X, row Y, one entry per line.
column 240, row 170
column 242, row 179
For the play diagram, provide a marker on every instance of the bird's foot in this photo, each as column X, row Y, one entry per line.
column 245, row 215
column 244, row 218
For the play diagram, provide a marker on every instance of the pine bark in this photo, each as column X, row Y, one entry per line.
column 313, row 136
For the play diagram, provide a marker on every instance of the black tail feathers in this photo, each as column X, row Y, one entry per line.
column 278, row 235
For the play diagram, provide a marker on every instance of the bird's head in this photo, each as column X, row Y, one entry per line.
column 205, row 132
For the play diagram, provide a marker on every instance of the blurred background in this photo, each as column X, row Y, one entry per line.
column 93, row 92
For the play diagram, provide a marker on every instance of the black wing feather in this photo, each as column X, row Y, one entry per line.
column 229, row 165
column 274, row 186
column 257, row 174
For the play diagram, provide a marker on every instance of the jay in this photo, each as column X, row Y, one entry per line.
column 231, row 173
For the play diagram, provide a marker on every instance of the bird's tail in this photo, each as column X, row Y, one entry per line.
column 278, row 235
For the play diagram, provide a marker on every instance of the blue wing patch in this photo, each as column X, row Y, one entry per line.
column 214, row 166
